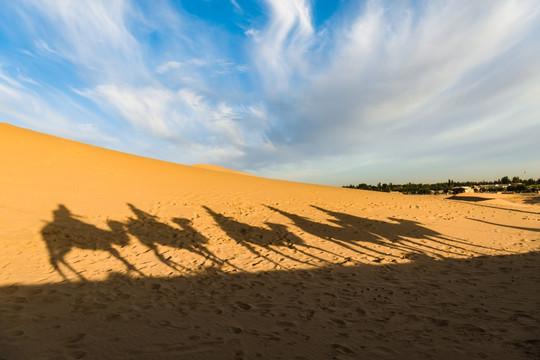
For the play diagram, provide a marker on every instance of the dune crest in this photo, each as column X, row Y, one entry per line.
column 109, row 255
column 220, row 168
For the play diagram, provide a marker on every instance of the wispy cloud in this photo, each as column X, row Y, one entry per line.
column 48, row 111
column 169, row 65
column 282, row 45
column 184, row 118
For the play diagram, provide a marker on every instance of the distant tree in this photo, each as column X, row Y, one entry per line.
column 517, row 188
column 410, row 188
column 364, row 186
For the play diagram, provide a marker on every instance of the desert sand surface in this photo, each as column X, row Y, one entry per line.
column 219, row 168
column 105, row 255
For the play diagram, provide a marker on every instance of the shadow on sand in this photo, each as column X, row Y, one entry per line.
column 507, row 226
column 151, row 232
column 484, row 307
column 67, row 231
column 372, row 239
column 356, row 233
column 469, row 198
column 475, row 200
column 532, row 200
column 480, row 308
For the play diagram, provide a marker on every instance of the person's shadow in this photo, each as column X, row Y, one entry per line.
column 66, row 232
column 151, row 232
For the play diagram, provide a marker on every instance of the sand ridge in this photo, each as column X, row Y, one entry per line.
column 110, row 255
column 219, row 168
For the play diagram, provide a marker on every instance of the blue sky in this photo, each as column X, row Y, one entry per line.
column 329, row 92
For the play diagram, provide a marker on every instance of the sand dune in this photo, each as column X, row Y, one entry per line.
column 109, row 255
column 219, row 168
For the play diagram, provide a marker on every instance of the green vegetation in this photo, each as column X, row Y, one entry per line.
column 504, row 184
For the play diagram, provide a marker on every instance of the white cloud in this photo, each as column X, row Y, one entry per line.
column 92, row 35
column 47, row 111
column 197, row 62
column 237, row 7
column 228, row 68
column 8, row 81
column 44, row 48
column 163, row 68
column 181, row 116
column 280, row 49
column 26, row 79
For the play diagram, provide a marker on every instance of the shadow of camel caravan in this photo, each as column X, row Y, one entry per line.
column 151, row 232
column 66, row 232
column 270, row 239
column 376, row 238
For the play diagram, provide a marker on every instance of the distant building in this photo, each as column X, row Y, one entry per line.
column 462, row 189
column 492, row 188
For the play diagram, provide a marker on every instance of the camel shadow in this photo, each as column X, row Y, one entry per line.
column 151, row 232
column 356, row 233
column 402, row 234
column 66, row 232
column 352, row 237
column 271, row 238
column 532, row 200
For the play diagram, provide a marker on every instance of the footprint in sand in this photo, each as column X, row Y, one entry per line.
column 286, row 324
column 15, row 307
column 307, row 314
column 236, row 329
column 30, row 292
column 339, row 323
column 79, row 354
column 342, row 349
column 243, row 306
column 74, row 338
column 10, row 290
column 16, row 333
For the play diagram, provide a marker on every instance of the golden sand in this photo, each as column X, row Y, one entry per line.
column 110, row 255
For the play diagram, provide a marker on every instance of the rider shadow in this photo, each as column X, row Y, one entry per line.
column 151, row 232
column 341, row 235
column 66, row 232
column 401, row 234
column 356, row 233
column 271, row 238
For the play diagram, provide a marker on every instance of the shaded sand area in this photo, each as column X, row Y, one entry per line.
column 109, row 255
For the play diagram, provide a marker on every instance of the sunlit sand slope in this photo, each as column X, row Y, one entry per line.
column 110, row 255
